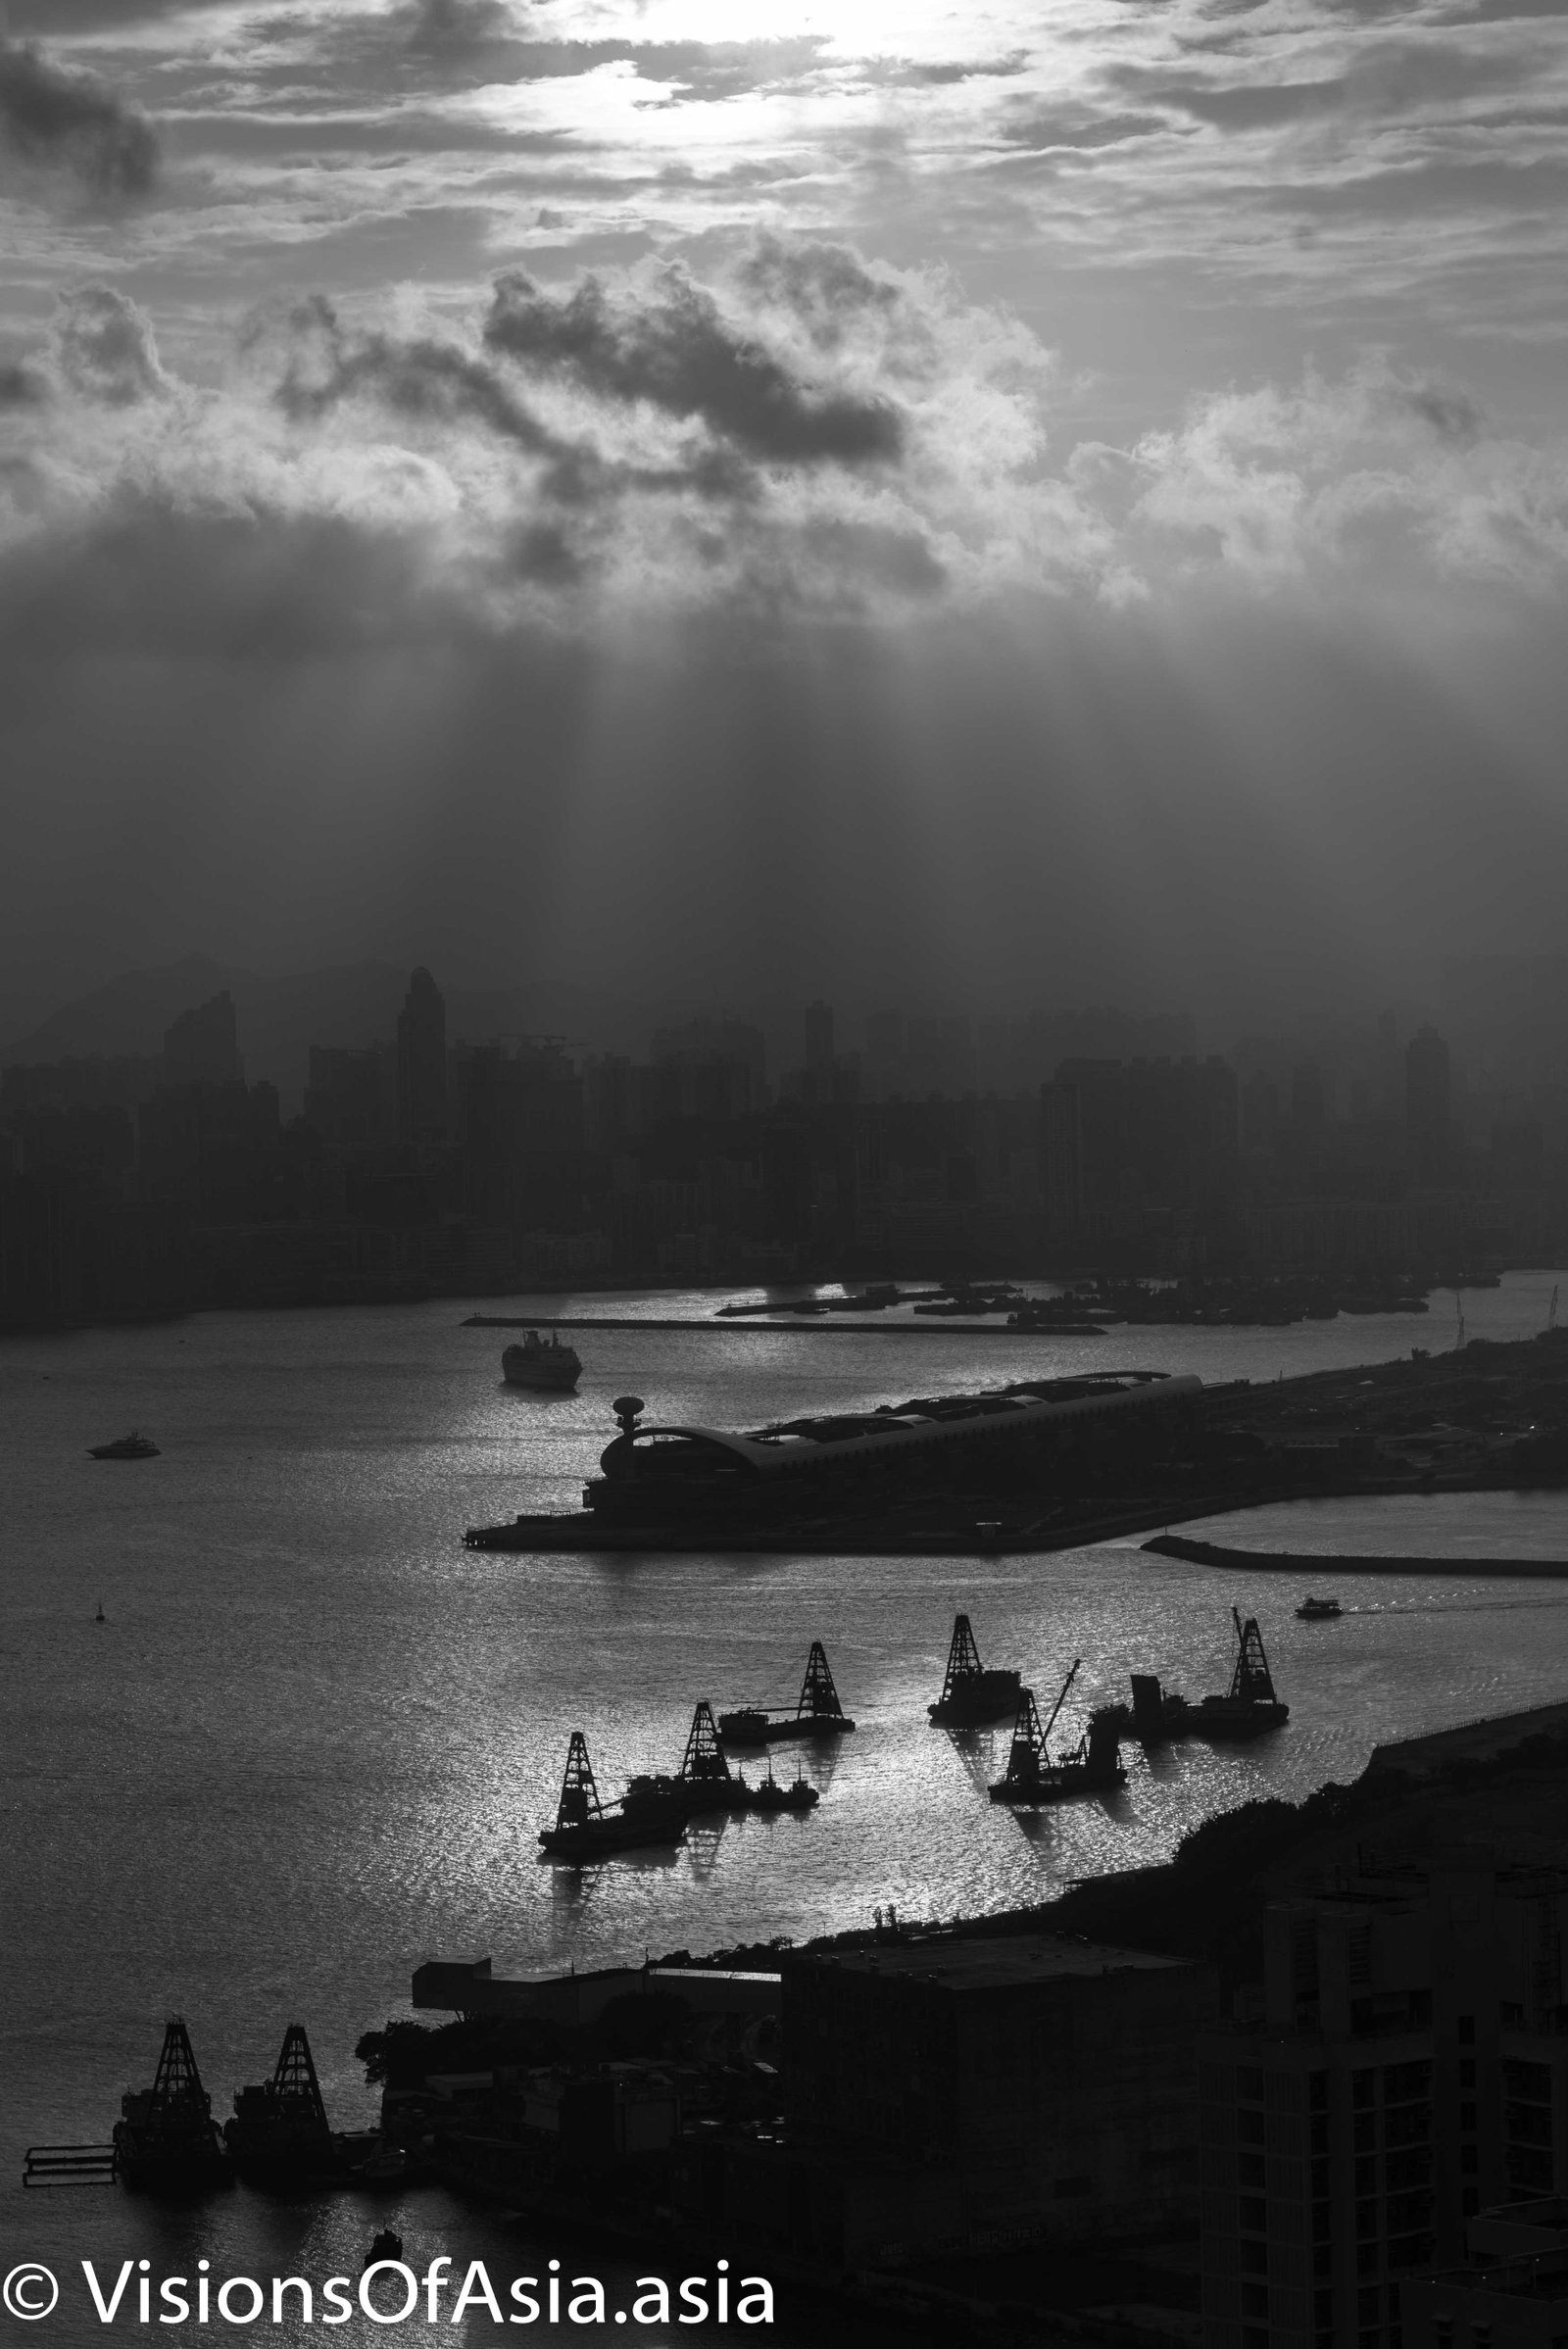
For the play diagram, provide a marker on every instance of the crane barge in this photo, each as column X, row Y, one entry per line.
column 971, row 1695
column 1033, row 1777
column 1247, row 1709
column 817, row 1711
column 587, row 1829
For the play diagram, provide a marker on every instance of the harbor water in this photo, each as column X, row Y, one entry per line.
column 314, row 1740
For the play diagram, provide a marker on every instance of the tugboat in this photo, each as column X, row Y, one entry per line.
column 1034, row 1779
column 166, row 2140
column 797, row 1794
column 1318, row 1610
column 817, row 1711
column 586, row 1829
column 280, row 2136
column 135, row 1447
column 543, row 1363
column 971, row 1695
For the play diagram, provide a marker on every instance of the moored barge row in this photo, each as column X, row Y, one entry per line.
column 657, row 1807
column 167, row 2144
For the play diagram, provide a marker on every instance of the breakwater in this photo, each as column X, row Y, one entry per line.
column 809, row 1323
column 1318, row 1562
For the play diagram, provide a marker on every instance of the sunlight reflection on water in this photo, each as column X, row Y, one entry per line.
column 316, row 1738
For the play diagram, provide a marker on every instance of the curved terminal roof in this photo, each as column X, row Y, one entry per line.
column 822, row 1442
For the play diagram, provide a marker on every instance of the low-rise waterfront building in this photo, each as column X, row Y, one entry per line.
column 983, row 2091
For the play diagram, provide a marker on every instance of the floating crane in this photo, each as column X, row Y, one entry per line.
column 280, row 2133
column 705, row 1781
column 1033, row 1777
column 1251, row 1681
column 704, row 1764
column 166, row 2139
column 817, row 1711
column 709, row 1785
column 586, row 1827
column 970, row 1695
column 1249, row 1708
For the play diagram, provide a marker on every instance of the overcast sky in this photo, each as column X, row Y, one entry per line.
column 1033, row 497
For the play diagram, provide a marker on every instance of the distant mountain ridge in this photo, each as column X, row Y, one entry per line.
column 278, row 1019
column 126, row 1014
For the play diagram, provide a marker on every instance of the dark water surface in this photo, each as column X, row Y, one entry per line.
column 316, row 1738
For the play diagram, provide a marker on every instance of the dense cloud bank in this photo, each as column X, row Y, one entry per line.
column 55, row 119
column 797, row 432
column 750, row 628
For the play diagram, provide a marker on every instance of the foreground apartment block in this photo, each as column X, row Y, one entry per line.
column 1408, row 2071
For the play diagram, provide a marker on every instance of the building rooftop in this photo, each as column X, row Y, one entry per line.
column 1545, row 2278
column 996, row 1961
column 806, row 1443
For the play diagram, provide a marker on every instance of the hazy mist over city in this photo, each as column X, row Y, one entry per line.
column 1045, row 504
